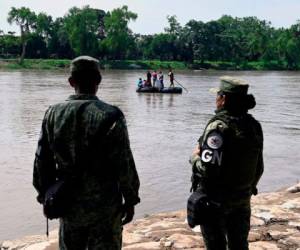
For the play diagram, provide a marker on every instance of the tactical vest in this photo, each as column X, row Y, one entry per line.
column 233, row 174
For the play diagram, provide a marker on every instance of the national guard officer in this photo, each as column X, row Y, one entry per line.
column 87, row 138
column 227, row 166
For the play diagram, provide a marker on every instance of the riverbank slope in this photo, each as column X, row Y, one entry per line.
column 275, row 224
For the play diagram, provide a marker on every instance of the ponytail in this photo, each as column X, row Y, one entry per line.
column 250, row 102
column 239, row 103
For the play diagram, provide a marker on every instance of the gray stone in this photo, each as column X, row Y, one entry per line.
column 6, row 244
column 294, row 189
column 291, row 204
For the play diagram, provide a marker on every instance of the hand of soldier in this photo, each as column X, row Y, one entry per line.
column 195, row 155
column 196, row 151
column 128, row 213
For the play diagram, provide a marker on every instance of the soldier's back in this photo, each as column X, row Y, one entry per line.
column 77, row 130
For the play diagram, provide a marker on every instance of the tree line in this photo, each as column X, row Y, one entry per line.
column 106, row 35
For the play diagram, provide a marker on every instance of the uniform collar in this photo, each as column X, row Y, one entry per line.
column 83, row 97
column 223, row 111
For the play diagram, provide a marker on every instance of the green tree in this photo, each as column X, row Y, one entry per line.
column 36, row 47
column 174, row 26
column 43, row 26
column 245, row 39
column 162, row 46
column 257, row 37
column 211, row 41
column 25, row 18
column 292, row 53
column 10, row 45
column 174, row 32
column 193, row 34
column 82, row 27
column 288, row 44
column 119, row 38
column 143, row 43
column 231, row 38
column 59, row 45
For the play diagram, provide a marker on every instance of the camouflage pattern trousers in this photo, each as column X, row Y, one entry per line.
column 229, row 231
column 99, row 233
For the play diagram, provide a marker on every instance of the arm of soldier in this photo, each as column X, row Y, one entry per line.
column 195, row 157
column 195, row 160
column 44, row 164
column 122, row 159
column 260, row 161
column 258, row 174
column 198, row 175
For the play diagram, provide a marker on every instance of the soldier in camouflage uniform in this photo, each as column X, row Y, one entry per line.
column 86, row 137
column 227, row 166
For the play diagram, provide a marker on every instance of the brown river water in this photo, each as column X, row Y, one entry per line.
column 163, row 130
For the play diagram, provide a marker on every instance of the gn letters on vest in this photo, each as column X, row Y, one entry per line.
column 212, row 143
column 212, row 149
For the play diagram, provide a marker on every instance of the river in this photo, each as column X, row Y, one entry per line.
column 163, row 130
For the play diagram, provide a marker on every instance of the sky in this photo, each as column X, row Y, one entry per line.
column 152, row 14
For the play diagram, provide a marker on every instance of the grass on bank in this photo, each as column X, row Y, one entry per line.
column 116, row 64
column 35, row 64
column 41, row 64
column 259, row 65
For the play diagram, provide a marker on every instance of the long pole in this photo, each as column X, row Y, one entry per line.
column 181, row 85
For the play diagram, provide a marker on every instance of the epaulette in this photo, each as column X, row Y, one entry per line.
column 215, row 125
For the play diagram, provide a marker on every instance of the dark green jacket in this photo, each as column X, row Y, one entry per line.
column 87, row 136
column 231, row 158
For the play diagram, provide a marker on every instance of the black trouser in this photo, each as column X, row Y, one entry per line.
column 171, row 82
column 230, row 230
column 94, row 230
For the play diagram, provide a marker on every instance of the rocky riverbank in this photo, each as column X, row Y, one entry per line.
column 275, row 224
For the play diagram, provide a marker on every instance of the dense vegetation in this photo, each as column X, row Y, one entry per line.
column 224, row 42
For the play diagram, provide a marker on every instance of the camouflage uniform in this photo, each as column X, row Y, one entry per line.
column 87, row 134
column 227, row 170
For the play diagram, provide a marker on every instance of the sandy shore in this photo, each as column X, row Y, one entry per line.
column 275, row 224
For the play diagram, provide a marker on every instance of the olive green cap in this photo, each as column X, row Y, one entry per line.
column 82, row 63
column 231, row 85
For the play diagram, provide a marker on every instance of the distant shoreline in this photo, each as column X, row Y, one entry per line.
column 54, row 64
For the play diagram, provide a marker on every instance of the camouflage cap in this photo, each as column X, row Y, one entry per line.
column 82, row 63
column 231, row 85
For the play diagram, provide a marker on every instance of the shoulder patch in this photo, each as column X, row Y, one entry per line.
column 217, row 124
column 214, row 140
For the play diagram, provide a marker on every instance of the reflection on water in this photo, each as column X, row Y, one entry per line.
column 163, row 130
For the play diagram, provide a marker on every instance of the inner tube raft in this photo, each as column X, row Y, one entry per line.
column 170, row 90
